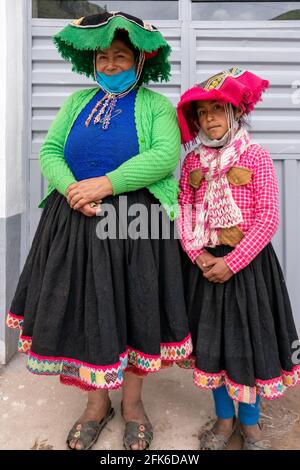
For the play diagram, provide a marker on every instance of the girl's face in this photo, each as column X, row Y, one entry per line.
column 117, row 58
column 212, row 118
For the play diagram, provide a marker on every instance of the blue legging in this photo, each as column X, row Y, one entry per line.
column 248, row 414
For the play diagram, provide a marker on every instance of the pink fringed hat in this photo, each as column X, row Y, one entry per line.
column 238, row 87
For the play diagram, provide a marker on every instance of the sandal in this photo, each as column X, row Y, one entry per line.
column 89, row 431
column 212, row 441
column 250, row 443
column 135, row 431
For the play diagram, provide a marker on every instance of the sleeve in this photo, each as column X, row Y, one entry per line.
column 156, row 163
column 266, row 214
column 52, row 162
column 187, row 214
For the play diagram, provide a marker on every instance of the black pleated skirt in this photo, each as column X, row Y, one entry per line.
column 88, row 306
column 243, row 331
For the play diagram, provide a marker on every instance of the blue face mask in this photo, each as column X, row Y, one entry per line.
column 118, row 82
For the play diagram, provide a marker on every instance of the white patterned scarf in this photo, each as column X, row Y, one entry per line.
column 218, row 209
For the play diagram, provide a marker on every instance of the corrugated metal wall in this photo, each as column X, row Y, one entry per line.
column 271, row 49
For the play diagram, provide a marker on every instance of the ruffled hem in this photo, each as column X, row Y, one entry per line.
column 269, row 389
column 91, row 377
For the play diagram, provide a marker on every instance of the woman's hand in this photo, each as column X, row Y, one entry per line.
column 89, row 211
column 218, row 271
column 83, row 192
column 203, row 259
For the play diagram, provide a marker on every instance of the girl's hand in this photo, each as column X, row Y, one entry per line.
column 218, row 271
column 203, row 259
column 83, row 192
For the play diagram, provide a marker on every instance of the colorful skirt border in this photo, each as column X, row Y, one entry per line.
column 90, row 377
column 268, row 389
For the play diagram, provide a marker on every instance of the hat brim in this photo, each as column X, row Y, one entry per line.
column 77, row 45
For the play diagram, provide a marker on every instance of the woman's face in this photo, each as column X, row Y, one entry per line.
column 117, row 58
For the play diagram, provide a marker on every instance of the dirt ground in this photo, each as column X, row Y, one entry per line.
column 37, row 412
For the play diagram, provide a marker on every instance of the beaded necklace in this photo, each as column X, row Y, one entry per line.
column 108, row 103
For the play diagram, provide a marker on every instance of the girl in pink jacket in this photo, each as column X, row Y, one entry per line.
column 238, row 305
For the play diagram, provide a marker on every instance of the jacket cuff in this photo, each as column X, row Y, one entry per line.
column 117, row 181
column 235, row 261
column 193, row 255
column 64, row 184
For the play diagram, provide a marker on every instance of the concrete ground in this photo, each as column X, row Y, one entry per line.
column 37, row 412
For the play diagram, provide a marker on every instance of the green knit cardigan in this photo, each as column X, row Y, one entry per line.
column 159, row 147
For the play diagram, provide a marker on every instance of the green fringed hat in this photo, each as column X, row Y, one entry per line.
column 79, row 40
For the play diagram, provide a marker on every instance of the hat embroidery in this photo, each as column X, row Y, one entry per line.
column 78, row 22
column 216, row 81
column 148, row 26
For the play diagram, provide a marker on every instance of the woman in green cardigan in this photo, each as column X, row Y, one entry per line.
column 99, row 303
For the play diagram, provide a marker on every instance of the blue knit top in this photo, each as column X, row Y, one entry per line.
column 91, row 151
